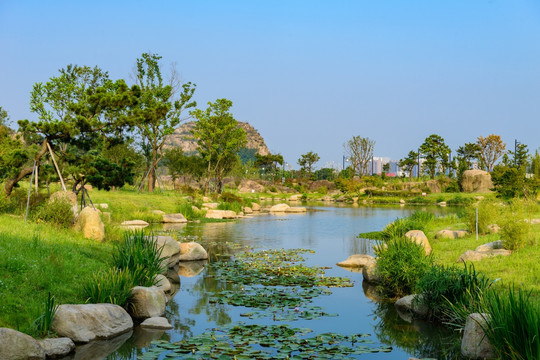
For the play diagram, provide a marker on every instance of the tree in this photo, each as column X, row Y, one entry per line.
column 180, row 164
column 435, row 152
column 518, row 157
column 269, row 162
column 159, row 109
column 490, row 149
column 74, row 109
column 409, row 162
column 4, row 117
column 465, row 156
column 307, row 161
column 359, row 150
column 535, row 165
column 219, row 139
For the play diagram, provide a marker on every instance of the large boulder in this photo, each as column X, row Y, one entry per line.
column 316, row 185
column 420, row 238
column 173, row 219
column 357, row 260
column 490, row 246
column 255, row 207
column 57, row 347
column 169, row 248
column 250, row 186
column 15, row 345
column 87, row 322
column 477, row 181
column 369, row 272
column 147, row 302
column 296, row 209
column 279, row 208
column 210, row 205
column 480, row 255
column 475, row 345
column 162, row 283
column 434, row 186
column 159, row 323
column 296, row 197
column 451, row 234
column 90, row 224
column 412, row 303
column 220, row 214
column 191, row 251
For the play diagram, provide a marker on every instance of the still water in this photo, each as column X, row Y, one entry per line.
column 331, row 232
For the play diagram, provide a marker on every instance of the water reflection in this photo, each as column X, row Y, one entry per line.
column 417, row 337
column 203, row 289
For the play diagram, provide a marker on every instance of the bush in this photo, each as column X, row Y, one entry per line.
column 6, row 205
column 459, row 200
column 444, row 286
column 59, row 212
column 140, row 256
column 514, row 228
column 112, row 286
column 487, row 214
column 400, row 265
column 514, row 327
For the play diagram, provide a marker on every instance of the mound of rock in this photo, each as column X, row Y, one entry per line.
column 90, row 224
column 15, row 345
column 147, row 302
column 87, row 322
column 357, row 260
column 476, row 181
column 220, row 214
column 420, row 238
column 173, row 219
column 192, row 251
column 451, row 234
column 249, row 186
column 475, row 345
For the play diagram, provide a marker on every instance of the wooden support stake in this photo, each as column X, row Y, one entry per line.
column 56, row 166
column 29, row 191
column 36, row 182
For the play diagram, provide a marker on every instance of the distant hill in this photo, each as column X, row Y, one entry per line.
column 181, row 138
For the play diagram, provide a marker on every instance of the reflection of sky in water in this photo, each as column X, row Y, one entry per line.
column 331, row 232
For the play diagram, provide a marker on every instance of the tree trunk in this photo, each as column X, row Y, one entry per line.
column 151, row 180
column 10, row 183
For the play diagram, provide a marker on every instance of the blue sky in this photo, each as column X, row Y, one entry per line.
column 308, row 75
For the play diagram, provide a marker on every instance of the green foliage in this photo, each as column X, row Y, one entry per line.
column 459, row 200
column 515, row 229
column 307, row 161
column 401, row 264
column 186, row 209
column 234, row 206
column 444, row 288
column 230, row 197
column 514, row 325
column 139, row 255
column 510, row 182
column 105, row 174
column 219, row 139
column 488, row 214
column 409, row 162
column 112, row 286
column 435, row 151
column 418, row 220
column 179, row 164
column 42, row 325
column 58, row 211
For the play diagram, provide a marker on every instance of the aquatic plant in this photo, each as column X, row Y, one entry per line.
column 111, row 286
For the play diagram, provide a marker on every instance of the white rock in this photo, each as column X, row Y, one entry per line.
column 15, row 345
column 147, row 302
column 163, row 283
column 191, row 251
column 475, row 345
column 87, row 322
column 357, row 260
column 279, row 208
column 220, row 214
column 160, row 323
column 174, row 219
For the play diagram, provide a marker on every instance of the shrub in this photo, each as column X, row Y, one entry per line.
column 453, row 187
column 59, row 212
column 6, row 204
column 112, row 286
column 400, row 265
column 441, row 286
column 459, row 200
column 514, row 327
column 140, row 256
column 417, row 221
column 322, row 190
column 487, row 215
column 514, row 228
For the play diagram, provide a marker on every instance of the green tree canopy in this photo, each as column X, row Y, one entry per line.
column 435, row 152
column 307, row 161
column 409, row 162
column 219, row 139
column 159, row 109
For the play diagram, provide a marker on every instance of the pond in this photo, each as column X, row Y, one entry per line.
column 330, row 231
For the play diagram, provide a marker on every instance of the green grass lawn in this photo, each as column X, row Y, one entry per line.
column 36, row 259
column 522, row 268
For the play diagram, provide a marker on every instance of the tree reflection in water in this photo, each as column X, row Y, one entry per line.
column 418, row 337
column 204, row 288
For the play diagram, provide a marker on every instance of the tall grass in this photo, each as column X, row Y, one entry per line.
column 488, row 213
column 419, row 220
column 42, row 325
column 234, row 206
column 111, row 286
column 141, row 256
column 514, row 327
column 189, row 213
column 447, row 289
column 401, row 264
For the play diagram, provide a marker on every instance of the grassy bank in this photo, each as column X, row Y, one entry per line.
column 36, row 259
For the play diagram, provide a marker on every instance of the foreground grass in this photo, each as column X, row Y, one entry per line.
column 36, row 259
